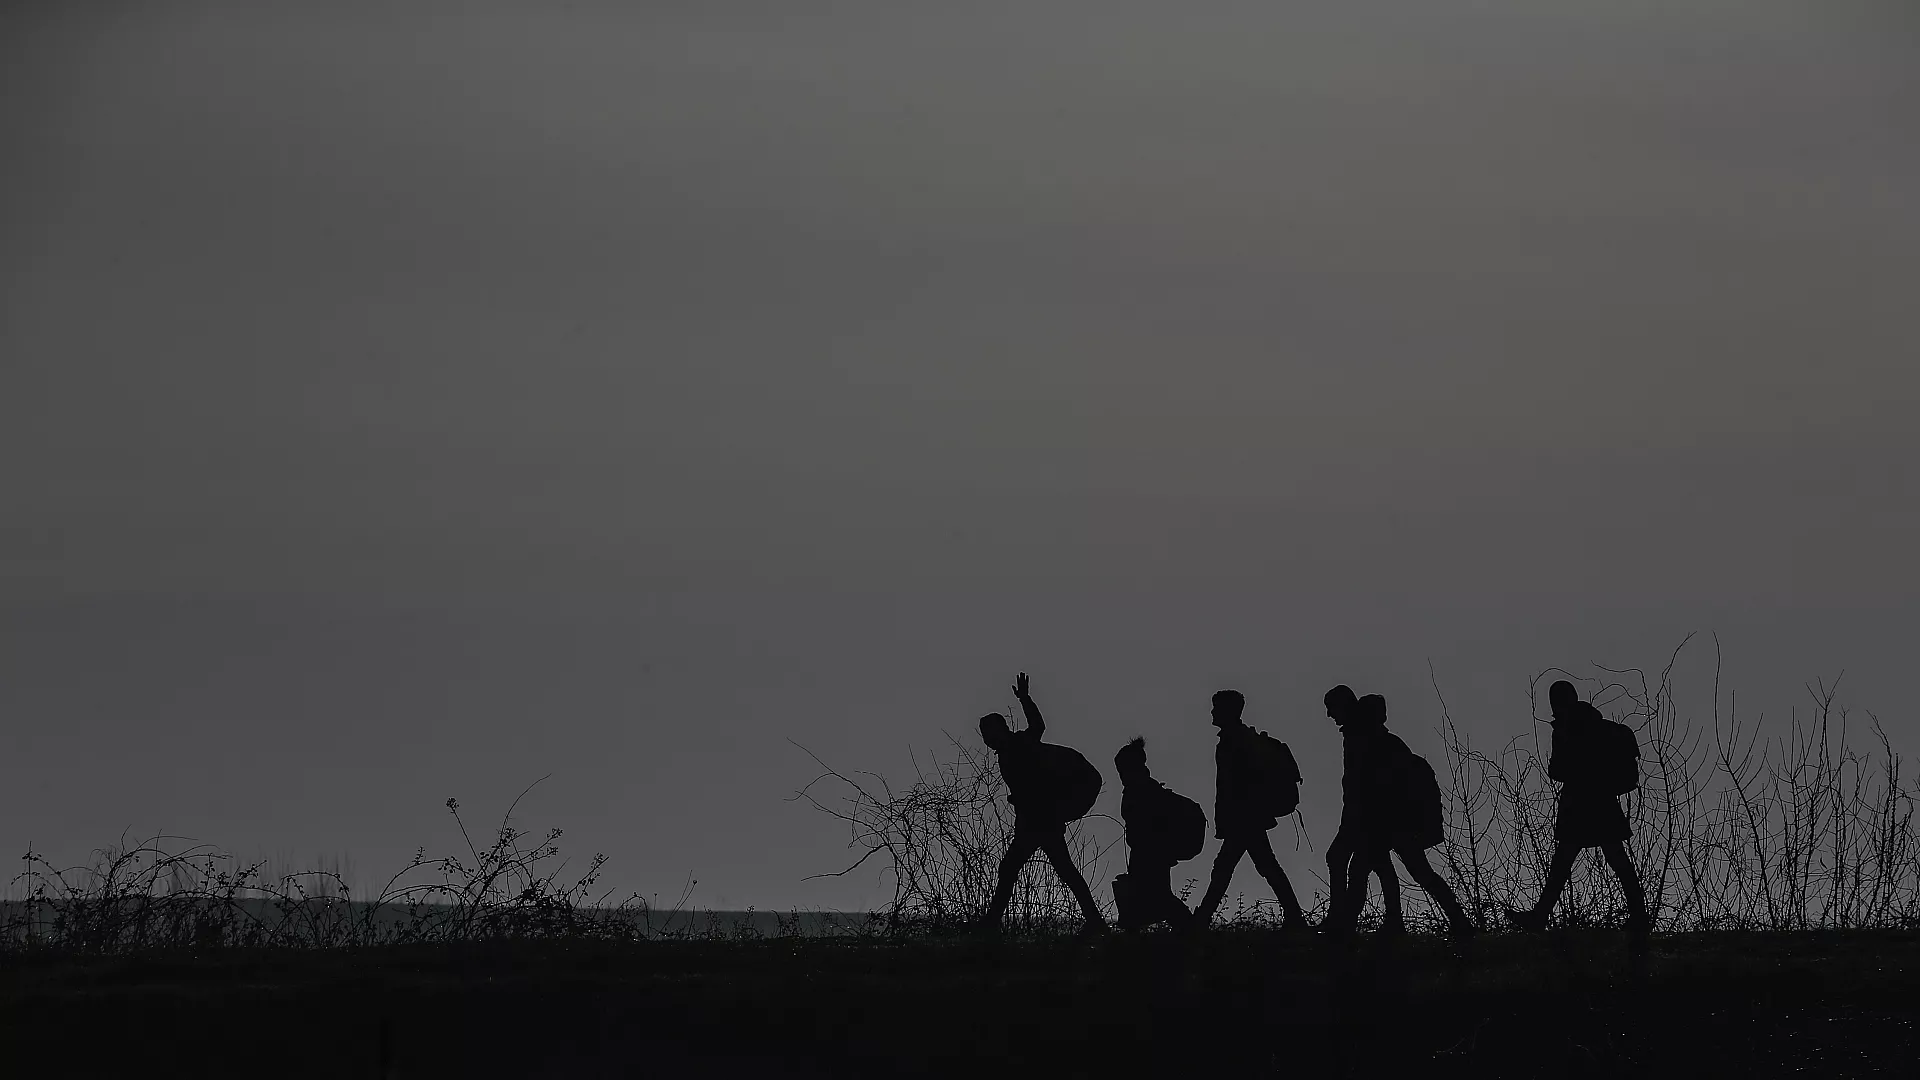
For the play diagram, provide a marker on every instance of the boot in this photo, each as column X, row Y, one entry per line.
column 1637, row 921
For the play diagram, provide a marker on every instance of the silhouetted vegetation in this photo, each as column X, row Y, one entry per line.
column 167, row 893
column 938, row 842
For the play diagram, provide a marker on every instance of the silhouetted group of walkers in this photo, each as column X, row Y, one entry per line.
column 1390, row 807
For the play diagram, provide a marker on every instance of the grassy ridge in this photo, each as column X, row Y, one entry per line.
column 1575, row 1003
column 20, row 919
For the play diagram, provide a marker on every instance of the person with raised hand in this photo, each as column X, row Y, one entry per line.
column 1049, row 787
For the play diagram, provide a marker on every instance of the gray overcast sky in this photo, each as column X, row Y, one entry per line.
column 396, row 406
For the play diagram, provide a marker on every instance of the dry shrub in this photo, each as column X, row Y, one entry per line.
column 938, row 842
column 1736, row 825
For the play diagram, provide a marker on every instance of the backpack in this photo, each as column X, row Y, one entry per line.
column 1618, row 769
column 1183, row 831
column 1421, row 816
column 1278, row 775
column 1072, row 780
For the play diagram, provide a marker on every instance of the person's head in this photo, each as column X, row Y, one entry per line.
column 1340, row 703
column 1227, row 707
column 1371, row 710
column 1562, row 697
column 993, row 730
column 1131, row 761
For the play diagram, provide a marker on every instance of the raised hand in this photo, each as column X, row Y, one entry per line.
column 1034, row 723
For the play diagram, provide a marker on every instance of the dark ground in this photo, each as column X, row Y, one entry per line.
column 1842, row 1004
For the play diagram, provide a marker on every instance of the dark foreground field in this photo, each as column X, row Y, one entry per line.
column 1259, row 1002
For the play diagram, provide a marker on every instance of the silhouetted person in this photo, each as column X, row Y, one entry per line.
column 1342, row 706
column 1048, row 786
column 1255, row 783
column 1595, row 760
column 1391, row 803
column 1163, row 829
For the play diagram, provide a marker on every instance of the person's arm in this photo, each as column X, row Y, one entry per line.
column 1557, row 766
column 1035, row 723
column 1339, row 865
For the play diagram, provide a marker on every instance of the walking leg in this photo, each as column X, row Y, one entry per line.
column 1353, row 893
column 1055, row 845
column 1557, row 875
column 1429, row 879
column 1023, row 846
column 1622, row 863
column 1269, row 868
column 1223, row 865
column 1394, row 921
column 1339, row 854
